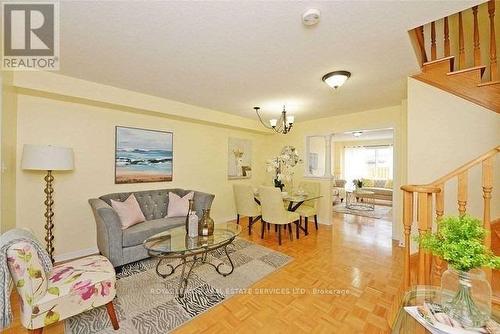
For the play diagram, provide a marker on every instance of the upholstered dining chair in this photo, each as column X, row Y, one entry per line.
column 70, row 289
column 273, row 212
column 246, row 205
column 309, row 208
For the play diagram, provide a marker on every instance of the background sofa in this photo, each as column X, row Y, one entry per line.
column 125, row 246
column 381, row 188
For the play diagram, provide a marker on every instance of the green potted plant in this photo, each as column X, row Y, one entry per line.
column 358, row 183
column 460, row 242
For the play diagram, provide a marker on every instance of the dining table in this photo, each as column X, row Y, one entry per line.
column 294, row 202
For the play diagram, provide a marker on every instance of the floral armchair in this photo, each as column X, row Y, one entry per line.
column 70, row 289
column 338, row 191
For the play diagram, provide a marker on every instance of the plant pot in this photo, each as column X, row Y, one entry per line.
column 466, row 296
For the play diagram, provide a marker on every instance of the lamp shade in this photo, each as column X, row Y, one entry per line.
column 47, row 157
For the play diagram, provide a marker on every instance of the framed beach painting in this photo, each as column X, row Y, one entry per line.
column 143, row 155
column 239, row 158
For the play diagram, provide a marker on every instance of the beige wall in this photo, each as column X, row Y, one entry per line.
column 200, row 161
column 8, row 155
column 444, row 132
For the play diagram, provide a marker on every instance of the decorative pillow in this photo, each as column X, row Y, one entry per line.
column 368, row 182
column 129, row 211
column 388, row 184
column 178, row 206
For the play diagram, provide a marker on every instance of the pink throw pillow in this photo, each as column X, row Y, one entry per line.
column 129, row 211
column 178, row 206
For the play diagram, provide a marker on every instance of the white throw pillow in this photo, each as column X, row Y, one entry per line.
column 178, row 206
column 129, row 211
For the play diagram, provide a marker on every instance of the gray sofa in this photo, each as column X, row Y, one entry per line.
column 125, row 246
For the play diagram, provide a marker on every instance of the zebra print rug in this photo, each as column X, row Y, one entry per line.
column 146, row 303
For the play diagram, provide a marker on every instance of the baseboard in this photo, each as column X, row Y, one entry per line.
column 76, row 254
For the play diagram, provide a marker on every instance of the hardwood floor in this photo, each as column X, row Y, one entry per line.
column 354, row 258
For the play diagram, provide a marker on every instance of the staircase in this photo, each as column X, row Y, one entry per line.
column 471, row 75
column 423, row 205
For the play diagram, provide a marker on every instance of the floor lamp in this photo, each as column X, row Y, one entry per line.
column 48, row 158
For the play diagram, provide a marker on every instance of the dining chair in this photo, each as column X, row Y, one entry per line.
column 273, row 212
column 245, row 204
column 309, row 208
column 69, row 289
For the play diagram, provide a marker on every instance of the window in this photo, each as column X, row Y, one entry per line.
column 373, row 162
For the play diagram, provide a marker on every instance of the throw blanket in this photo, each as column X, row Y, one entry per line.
column 6, row 240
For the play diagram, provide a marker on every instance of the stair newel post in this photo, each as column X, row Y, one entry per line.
column 462, row 193
column 477, row 49
column 433, row 41
column 419, row 33
column 461, row 43
column 407, row 222
column 446, row 38
column 438, row 262
column 493, row 42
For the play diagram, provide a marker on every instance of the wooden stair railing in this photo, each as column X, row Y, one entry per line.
column 418, row 203
column 484, row 91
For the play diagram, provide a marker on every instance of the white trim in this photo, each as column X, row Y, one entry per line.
column 76, row 254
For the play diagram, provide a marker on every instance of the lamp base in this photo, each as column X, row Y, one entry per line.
column 49, row 213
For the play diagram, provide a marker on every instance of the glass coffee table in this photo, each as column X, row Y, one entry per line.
column 176, row 244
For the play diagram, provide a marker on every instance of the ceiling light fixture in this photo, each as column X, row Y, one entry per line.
column 282, row 125
column 357, row 133
column 336, row 79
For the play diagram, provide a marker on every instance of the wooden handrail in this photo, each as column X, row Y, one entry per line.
column 463, row 168
column 419, row 33
column 418, row 199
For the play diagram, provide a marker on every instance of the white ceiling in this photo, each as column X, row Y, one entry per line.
column 231, row 56
column 367, row 135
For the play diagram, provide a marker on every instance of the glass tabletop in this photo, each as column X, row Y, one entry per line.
column 296, row 197
column 406, row 324
column 176, row 240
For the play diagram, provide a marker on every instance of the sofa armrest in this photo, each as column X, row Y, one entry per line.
column 202, row 201
column 109, row 231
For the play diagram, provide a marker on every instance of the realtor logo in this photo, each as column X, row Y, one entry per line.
column 30, row 36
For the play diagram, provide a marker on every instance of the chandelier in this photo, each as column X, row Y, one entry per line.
column 282, row 125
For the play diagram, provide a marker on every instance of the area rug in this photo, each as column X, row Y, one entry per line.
column 378, row 213
column 146, row 303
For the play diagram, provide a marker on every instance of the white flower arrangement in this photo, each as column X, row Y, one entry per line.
column 282, row 165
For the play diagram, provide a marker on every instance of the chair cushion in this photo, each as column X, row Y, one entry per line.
column 73, row 288
column 135, row 235
column 306, row 211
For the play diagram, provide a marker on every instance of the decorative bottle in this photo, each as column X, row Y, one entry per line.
column 190, row 209
column 206, row 224
column 192, row 224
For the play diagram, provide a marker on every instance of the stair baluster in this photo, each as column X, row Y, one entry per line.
column 438, row 262
column 493, row 43
column 433, row 41
column 446, row 38
column 462, row 193
column 461, row 43
column 477, row 49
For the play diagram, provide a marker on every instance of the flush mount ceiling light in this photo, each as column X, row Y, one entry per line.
column 282, row 125
column 357, row 133
column 336, row 79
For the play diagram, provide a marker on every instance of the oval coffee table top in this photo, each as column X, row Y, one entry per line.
column 176, row 240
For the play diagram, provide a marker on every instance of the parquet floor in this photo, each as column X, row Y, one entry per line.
column 349, row 272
